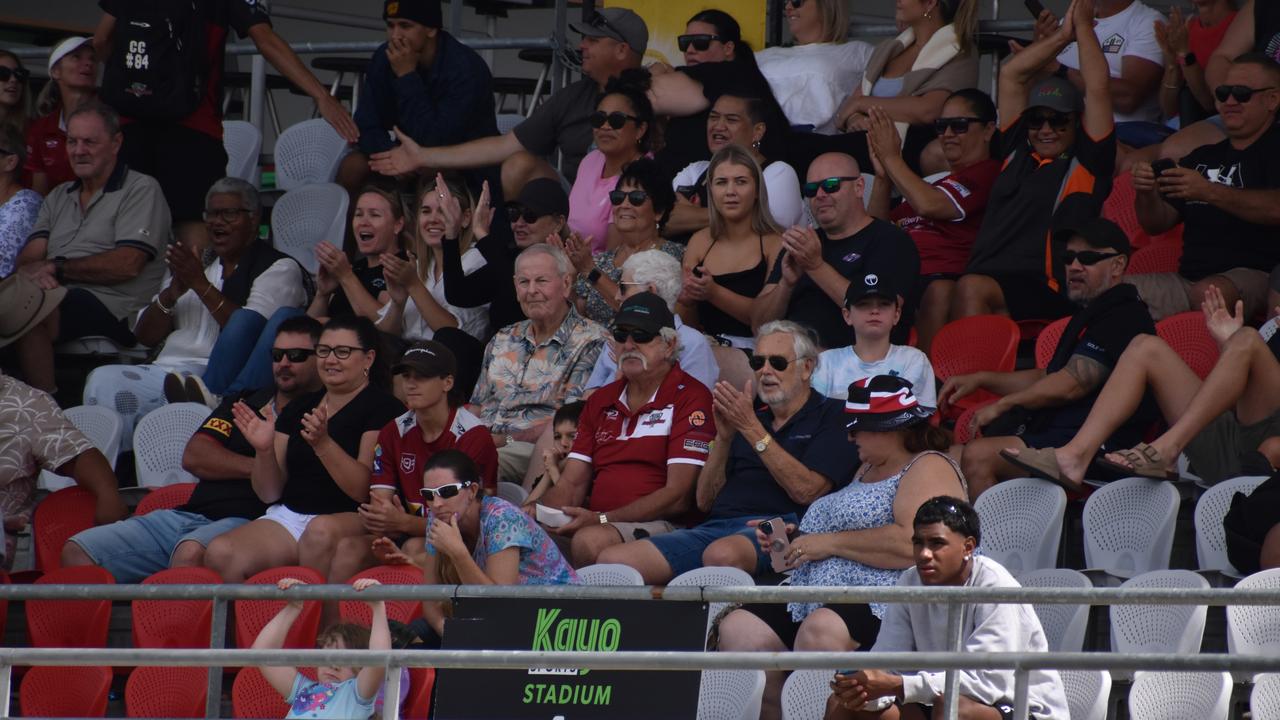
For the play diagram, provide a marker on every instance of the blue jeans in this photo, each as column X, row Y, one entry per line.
column 241, row 358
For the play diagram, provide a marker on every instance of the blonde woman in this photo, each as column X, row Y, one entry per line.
column 344, row 287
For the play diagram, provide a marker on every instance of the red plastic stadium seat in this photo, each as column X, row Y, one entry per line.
column 166, row 692
column 1188, row 336
column 399, row 610
column 175, row 623
column 165, row 497
column 1161, row 257
column 76, row 692
column 1119, row 209
column 1047, row 341
column 59, row 516
column 252, row 615
column 253, row 697
column 417, row 706
column 70, row 623
column 973, row 344
column 962, row 433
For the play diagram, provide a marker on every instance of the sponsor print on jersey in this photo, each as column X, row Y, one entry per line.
column 655, row 423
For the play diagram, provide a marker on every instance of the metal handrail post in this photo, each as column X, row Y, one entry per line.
column 217, row 641
column 1021, row 694
column 455, row 18
column 6, row 694
column 328, row 18
column 558, row 46
column 391, row 693
column 955, row 643
column 258, row 93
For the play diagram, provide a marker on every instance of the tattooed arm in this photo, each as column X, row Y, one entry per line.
column 1081, row 376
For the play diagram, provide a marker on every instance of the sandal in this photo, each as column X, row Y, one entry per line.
column 1144, row 461
column 1040, row 463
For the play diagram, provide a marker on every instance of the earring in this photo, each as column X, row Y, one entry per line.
column 755, row 144
column 366, row 372
column 967, row 558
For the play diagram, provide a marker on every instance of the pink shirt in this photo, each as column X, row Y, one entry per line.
column 589, row 210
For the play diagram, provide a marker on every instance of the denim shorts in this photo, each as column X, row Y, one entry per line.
column 135, row 548
column 683, row 548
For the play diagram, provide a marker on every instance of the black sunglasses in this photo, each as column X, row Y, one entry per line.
column 1087, row 257
column 957, row 125
column 777, row 362
column 635, row 197
column 1057, row 120
column 640, row 337
column 295, row 355
column 615, row 119
column 1242, row 93
column 699, row 42
column 7, row 73
column 444, row 491
column 829, row 186
column 795, row 3
column 515, row 212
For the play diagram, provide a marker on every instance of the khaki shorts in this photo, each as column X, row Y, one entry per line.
column 1169, row 293
column 513, row 461
column 1214, row 453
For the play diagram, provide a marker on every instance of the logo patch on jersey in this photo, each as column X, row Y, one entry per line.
column 655, row 423
column 960, row 189
column 610, row 414
column 698, row 446
column 851, row 257
column 1113, row 44
column 697, row 418
column 218, row 425
column 408, row 461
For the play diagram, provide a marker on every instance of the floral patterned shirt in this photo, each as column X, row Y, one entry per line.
column 523, row 383
column 503, row 525
column 315, row 699
column 17, row 217
column 597, row 309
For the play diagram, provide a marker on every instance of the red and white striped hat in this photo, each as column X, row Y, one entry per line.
column 883, row 403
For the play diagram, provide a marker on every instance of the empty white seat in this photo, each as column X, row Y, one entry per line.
column 1128, row 526
column 805, row 693
column 713, row 575
column 160, row 439
column 307, row 215
column 1022, row 523
column 1211, row 508
column 308, row 152
column 512, row 492
column 1159, row 628
column 243, row 143
column 730, row 694
column 1255, row 629
column 1064, row 625
column 610, row 574
column 507, row 121
column 1264, row 701
column 1087, row 693
column 1180, row 696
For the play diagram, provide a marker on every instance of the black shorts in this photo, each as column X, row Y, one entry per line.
column 1005, row 709
column 82, row 314
column 1028, row 298
column 185, row 162
column 863, row 625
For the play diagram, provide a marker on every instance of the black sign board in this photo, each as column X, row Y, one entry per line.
column 570, row 693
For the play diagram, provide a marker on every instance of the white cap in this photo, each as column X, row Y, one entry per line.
column 65, row 48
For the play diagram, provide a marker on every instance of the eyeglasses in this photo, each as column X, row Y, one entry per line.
column 1057, row 120
column 777, row 362
column 1242, row 93
column 295, row 355
column 640, row 337
column 957, row 125
column 7, row 73
column 444, row 491
column 795, row 4
column 341, row 351
column 226, row 215
column 615, row 119
column 635, row 197
column 1087, row 258
column 515, row 212
column 830, row 186
column 699, row 42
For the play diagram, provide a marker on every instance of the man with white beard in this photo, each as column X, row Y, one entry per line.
column 642, row 440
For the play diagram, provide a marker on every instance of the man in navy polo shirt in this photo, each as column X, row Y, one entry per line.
column 642, row 440
column 765, row 463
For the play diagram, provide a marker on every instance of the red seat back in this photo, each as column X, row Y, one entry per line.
column 253, row 697
column 981, row 342
column 78, row 692
column 165, row 497
column 1187, row 335
column 175, row 623
column 1047, row 341
column 417, row 706
column 59, row 516
column 70, row 623
column 1119, row 209
column 1160, row 257
column 399, row 610
column 166, row 692
column 252, row 615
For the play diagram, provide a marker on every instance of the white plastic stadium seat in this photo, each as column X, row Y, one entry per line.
column 1128, row 526
column 308, row 152
column 512, row 492
column 610, row 574
column 102, row 426
column 507, row 121
column 1255, row 629
column 160, row 439
column 717, row 576
column 243, row 143
column 1159, row 628
column 1264, row 701
column 1022, row 523
column 730, row 694
column 1211, row 508
column 307, row 215
column 1180, row 696
column 1268, row 329
column 1087, row 693
column 1064, row 625
column 805, row 693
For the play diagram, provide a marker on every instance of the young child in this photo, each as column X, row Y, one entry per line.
column 872, row 308
column 564, row 428
column 337, row 692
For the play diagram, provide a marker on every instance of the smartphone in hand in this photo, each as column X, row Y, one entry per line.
column 1035, row 7
column 775, row 531
column 1158, row 167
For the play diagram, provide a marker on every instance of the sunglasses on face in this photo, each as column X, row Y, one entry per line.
column 7, row 73
column 957, row 125
column 635, row 197
column 295, row 355
column 1057, row 120
column 515, row 212
column 1088, row 258
column 341, row 351
column 830, row 186
column 777, row 362
column 640, row 337
column 615, row 119
column 795, row 4
column 444, row 491
column 699, row 42
column 1242, row 93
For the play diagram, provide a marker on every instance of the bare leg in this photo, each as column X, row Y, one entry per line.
column 977, row 295
column 590, row 541
column 1270, row 449
column 74, row 556
column 352, row 555
column 318, row 548
column 935, row 307
column 1230, row 293
column 189, row 553
column 982, row 465
column 249, row 549
column 732, row 551
column 522, row 167
column 742, row 631
column 643, row 556
column 35, row 354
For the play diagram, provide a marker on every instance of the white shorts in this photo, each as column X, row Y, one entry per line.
column 295, row 523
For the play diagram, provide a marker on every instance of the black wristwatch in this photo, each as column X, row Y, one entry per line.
column 593, row 277
column 1188, row 59
column 59, row 263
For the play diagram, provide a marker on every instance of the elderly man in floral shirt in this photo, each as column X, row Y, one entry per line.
column 533, row 367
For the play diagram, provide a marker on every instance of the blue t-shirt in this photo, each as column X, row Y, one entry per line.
column 314, row 699
column 503, row 525
column 815, row 436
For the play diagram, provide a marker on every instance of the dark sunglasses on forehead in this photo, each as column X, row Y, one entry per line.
column 640, row 337
column 777, row 362
column 515, row 212
column 295, row 355
column 1087, row 258
column 444, row 491
column 615, row 119
column 700, row 42
column 829, row 186
column 957, row 125
column 635, row 197
column 1242, row 93
column 601, row 22
column 1057, row 120
column 7, row 73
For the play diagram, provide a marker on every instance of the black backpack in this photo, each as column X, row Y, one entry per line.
column 157, row 69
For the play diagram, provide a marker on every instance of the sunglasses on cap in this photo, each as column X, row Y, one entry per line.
column 7, row 73
column 1088, row 258
column 635, row 197
column 600, row 22
column 295, row 355
column 777, row 362
column 640, row 337
column 1057, row 120
column 957, row 125
column 615, row 119
column 444, row 491
column 1242, row 93
column 829, row 186
column 515, row 212
column 699, row 42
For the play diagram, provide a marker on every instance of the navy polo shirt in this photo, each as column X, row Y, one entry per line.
column 815, row 436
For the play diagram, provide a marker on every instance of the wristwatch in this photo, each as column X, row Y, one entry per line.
column 1187, row 60
column 59, row 264
column 604, row 519
column 593, row 277
column 763, row 443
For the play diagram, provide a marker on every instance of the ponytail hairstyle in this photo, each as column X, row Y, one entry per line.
column 633, row 84
column 963, row 15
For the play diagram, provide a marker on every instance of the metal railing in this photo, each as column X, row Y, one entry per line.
column 955, row 660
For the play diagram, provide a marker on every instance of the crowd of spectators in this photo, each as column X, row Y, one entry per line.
column 718, row 310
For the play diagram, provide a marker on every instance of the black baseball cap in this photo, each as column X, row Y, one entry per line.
column 870, row 285
column 428, row 358
column 645, row 311
column 1099, row 233
column 543, row 196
